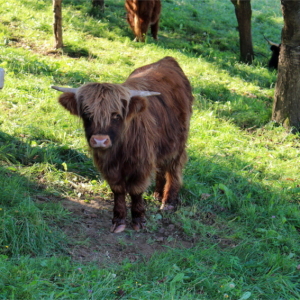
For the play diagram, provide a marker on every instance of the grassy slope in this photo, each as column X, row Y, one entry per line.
column 247, row 165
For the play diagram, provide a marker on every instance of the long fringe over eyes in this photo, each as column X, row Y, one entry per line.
column 100, row 101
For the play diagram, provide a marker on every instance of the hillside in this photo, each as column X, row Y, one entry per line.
column 236, row 232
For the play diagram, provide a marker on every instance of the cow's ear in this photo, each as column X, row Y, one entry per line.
column 136, row 105
column 68, row 101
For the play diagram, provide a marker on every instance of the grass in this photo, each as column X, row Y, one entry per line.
column 241, row 187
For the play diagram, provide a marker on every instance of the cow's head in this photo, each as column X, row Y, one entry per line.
column 105, row 109
column 1, row 78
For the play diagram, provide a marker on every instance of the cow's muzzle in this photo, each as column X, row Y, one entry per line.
column 100, row 141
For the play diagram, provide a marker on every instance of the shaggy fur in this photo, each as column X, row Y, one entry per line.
column 146, row 135
column 273, row 62
column 141, row 14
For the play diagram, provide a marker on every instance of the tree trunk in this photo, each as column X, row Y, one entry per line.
column 243, row 14
column 57, row 24
column 98, row 4
column 286, row 108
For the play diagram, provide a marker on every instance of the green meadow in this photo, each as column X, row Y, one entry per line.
column 236, row 233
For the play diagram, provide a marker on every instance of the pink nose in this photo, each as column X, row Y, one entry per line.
column 100, row 141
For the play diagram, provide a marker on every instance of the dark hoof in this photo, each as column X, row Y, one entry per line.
column 138, row 224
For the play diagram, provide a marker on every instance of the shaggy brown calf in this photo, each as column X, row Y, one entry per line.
column 141, row 14
column 134, row 132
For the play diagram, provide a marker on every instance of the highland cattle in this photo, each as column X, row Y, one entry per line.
column 135, row 130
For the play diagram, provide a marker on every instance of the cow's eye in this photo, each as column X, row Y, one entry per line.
column 86, row 116
column 116, row 117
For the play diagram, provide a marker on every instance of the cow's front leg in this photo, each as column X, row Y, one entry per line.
column 137, row 212
column 119, row 219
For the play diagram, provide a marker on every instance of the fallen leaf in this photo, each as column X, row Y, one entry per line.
column 205, row 196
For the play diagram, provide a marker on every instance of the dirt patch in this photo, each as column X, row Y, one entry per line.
column 90, row 239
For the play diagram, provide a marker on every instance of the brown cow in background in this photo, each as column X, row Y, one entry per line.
column 135, row 129
column 141, row 14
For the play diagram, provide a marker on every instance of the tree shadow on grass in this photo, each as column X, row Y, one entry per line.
column 38, row 66
column 31, row 151
column 26, row 229
column 239, row 194
column 73, row 51
column 245, row 110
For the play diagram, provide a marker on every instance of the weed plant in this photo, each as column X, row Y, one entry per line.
column 242, row 169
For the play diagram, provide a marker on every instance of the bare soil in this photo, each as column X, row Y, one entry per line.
column 91, row 240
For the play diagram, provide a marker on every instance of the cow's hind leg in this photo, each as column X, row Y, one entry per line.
column 118, row 221
column 137, row 211
column 154, row 30
column 173, row 183
column 160, row 182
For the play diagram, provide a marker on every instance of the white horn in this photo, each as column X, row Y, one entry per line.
column 2, row 72
column 142, row 93
column 271, row 43
column 64, row 90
